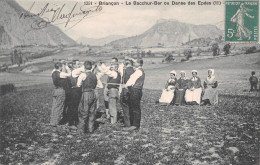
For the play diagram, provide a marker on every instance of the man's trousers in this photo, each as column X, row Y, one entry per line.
column 87, row 112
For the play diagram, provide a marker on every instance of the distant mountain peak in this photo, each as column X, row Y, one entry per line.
column 170, row 32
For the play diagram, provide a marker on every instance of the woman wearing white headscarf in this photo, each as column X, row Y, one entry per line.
column 168, row 92
column 193, row 93
column 181, row 86
column 210, row 86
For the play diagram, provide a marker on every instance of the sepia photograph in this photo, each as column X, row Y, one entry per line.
column 122, row 82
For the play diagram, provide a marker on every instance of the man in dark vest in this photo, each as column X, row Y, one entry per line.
column 113, row 83
column 124, row 97
column 59, row 81
column 136, row 82
column 114, row 60
column 87, row 105
column 75, row 96
column 67, row 87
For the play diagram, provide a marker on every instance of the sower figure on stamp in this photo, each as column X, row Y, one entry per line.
column 59, row 81
column 125, row 95
column 136, row 82
column 87, row 106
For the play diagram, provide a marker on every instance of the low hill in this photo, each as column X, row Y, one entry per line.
column 169, row 33
column 99, row 41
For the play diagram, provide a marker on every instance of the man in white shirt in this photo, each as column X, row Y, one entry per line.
column 136, row 82
column 113, row 83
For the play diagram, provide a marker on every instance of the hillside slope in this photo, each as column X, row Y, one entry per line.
column 16, row 31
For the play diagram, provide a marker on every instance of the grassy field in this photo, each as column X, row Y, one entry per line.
column 218, row 135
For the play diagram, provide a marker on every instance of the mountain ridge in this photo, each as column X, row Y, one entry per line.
column 169, row 33
column 16, row 31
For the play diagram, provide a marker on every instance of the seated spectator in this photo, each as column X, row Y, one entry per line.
column 193, row 93
column 210, row 89
column 181, row 86
column 168, row 92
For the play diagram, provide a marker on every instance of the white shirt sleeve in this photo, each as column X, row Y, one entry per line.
column 121, row 69
column 103, row 68
column 64, row 75
column 81, row 78
column 77, row 72
column 112, row 74
column 138, row 73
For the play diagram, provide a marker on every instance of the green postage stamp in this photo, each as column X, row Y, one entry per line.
column 241, row 20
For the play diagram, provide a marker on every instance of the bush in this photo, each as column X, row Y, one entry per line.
column 7, row 88
column 187, row 53
column 226, row 49
column 199, row 51
column 215, row 49
column 251, row 49
column 169, row 58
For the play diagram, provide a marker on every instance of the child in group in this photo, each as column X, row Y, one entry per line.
column 253, row 81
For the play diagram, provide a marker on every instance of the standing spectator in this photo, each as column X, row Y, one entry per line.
column 253, row 81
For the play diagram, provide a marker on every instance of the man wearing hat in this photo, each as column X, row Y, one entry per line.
column 136, row 82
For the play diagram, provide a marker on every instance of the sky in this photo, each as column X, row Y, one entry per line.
column 127, row 20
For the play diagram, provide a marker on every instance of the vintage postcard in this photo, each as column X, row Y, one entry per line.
column 102, row 82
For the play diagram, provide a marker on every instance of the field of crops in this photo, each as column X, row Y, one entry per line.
column 225, row 134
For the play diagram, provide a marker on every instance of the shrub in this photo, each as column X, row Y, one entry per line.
column 169, row 58
column 199, row 51
column 215, row 49
column 187, row 53
column 226, row 49
column 251, row 49
column 6, row 88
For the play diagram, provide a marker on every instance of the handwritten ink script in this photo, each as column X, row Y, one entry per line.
column 56, row 14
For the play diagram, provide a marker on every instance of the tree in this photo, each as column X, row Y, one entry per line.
column 187, row 53
column 149, row 53
column 143, row 54
column 226, row 49
column 215, row 49
column 199, row 51
column 169, row 58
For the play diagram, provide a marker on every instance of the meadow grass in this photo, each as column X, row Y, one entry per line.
column 224, row 134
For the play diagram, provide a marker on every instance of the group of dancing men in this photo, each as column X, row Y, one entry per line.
column 77, row 89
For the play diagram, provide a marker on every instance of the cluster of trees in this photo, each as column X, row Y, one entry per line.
column 216, row 50
column 16, row 57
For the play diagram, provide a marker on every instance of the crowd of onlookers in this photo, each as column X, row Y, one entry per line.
column 190, row 91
